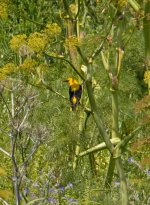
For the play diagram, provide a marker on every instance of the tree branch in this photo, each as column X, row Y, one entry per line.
column 25, row 117
column 97, row 113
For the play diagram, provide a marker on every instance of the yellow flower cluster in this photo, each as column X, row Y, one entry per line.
column 37, row 42
column 52, row 30
column 72, row 42
column 29, row 65
column 147, row 77
column 17, row 42
column 6, row 194
column 120, row 3
column 7, row 70
column 3, row 9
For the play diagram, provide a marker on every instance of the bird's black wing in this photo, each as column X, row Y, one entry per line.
column 78, row 93
column 71, row 93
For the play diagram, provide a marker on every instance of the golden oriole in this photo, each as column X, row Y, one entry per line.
column 75, row 92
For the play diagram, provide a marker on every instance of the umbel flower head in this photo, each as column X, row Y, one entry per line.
column 29, row 65
column 17, row 42
column 37, row 42
column 7, row 70
column 52, row 30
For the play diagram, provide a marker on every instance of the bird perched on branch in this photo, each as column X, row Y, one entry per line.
column 75, row 92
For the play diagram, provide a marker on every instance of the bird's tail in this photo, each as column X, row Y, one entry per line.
column 74, row 103
column 73, row 108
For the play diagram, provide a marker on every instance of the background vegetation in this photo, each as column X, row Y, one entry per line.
column 48, row 154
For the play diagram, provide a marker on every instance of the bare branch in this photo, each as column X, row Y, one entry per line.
column 18, row 111
column 12, row 105
column 25, row 117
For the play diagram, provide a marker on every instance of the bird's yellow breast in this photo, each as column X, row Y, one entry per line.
column 74, row 87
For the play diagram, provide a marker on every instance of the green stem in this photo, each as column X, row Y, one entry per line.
column 115, row 127
column 125, row 141
column 115, row 135
column 83, row 117
column 99, row 147
column 96, row 112
column 134, row 5
column 123, row 184
column 110, row 173
column 146, row 30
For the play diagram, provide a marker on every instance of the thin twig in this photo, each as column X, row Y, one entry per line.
column 51, row 89
column 48, row 88
column 6, row 105
column 30, row 154
column 5, row 152
column 100, row 47
column 18, row 111
column 124, row 142
column 12, row 105
column 82, row 56
column 24, row 164
column 25, row 117
column 62, row 58
column 3, row 201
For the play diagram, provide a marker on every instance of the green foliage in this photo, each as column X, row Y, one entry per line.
column 35, row 49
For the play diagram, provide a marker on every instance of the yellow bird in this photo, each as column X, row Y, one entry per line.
column 75, row 92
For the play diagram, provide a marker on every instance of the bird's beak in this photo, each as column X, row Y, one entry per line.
column 66, row 81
